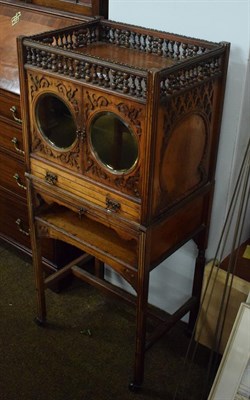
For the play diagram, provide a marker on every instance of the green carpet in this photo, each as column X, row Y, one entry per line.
column 62, row 362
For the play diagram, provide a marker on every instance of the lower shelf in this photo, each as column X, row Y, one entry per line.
column 89, row 235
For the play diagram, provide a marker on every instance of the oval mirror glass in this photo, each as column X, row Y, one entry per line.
column 55, row 121
column 113, row 143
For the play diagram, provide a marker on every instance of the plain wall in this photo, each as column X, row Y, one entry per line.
column 171, row 282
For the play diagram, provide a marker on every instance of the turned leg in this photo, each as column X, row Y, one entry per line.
column 141, row 315
column 37, row 260
column 39, row 281
column 197, row 287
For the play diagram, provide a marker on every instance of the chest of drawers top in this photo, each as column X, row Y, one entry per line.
column 24, row 18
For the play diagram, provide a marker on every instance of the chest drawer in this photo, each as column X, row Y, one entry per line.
column 12, row 174
column 110, row 203
column 11, row 138
column 10, row 107
column 14, row 219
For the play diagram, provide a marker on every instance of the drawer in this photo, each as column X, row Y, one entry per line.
column 14, row 228
column 95, row 195
column 12, row 174
column 14, row 223
column 10, row 107
column 11, row 138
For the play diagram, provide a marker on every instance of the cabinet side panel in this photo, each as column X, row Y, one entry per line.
column 186, row 140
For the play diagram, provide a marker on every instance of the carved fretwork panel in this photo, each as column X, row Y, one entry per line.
column 133, row 115
column 184, row 142
column 68, row 94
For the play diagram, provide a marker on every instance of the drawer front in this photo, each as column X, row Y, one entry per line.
column 11, row 138
column 14, row 227
column 93, row 195
column 14, row 219
column 12, row 175
column 10, row 107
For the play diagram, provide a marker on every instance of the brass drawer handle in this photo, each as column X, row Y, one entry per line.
column 18, row 181
column 50, row 178
column 81, row 212
column 15, row 142
column 20, row 227
column 112, row 206
column 13, row 109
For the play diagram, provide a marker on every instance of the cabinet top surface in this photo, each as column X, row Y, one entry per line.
column 16, row 21
column 110, row 42
column 121, row 55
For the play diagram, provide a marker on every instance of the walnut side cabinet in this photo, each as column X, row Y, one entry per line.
column 22, row 18
column 121, row 129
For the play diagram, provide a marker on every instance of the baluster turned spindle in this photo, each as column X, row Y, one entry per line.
column 126, row 39
column 38, row 58
column 70, row 67
column 184, row 50
column 87, row 72
column 113, row 75
column 100, row 75
column 82, row 69
column 177, row 51
column 125, row 88
column 132, row 85
column 76, row 73
column 94, row 74
column 139, row 87
column 44, row 59
column 132, row 40
column 171, row 48
column 106, row 77
column 150, row 44
column 65, row 66
column 117, row 36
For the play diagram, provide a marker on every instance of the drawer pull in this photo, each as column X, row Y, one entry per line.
column 51, row 178
column 15, row 142
column 81, row 212
column 20, row 227
column 13, row 109
column 112, row 206
column 18, row 181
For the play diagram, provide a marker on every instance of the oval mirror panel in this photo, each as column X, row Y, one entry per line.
column 55, row 121
column 113, row 143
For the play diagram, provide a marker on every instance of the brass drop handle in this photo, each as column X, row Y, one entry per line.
column 112, row 206
column 18, row 181
column 13, row 109
column 16, row 143
column 50, row 178
column 20, row 227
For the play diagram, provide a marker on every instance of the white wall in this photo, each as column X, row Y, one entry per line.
column 216, row 21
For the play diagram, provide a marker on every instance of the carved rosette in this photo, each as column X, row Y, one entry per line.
column 129, row 182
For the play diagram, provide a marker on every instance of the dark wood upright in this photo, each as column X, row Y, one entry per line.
column 121, row 130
